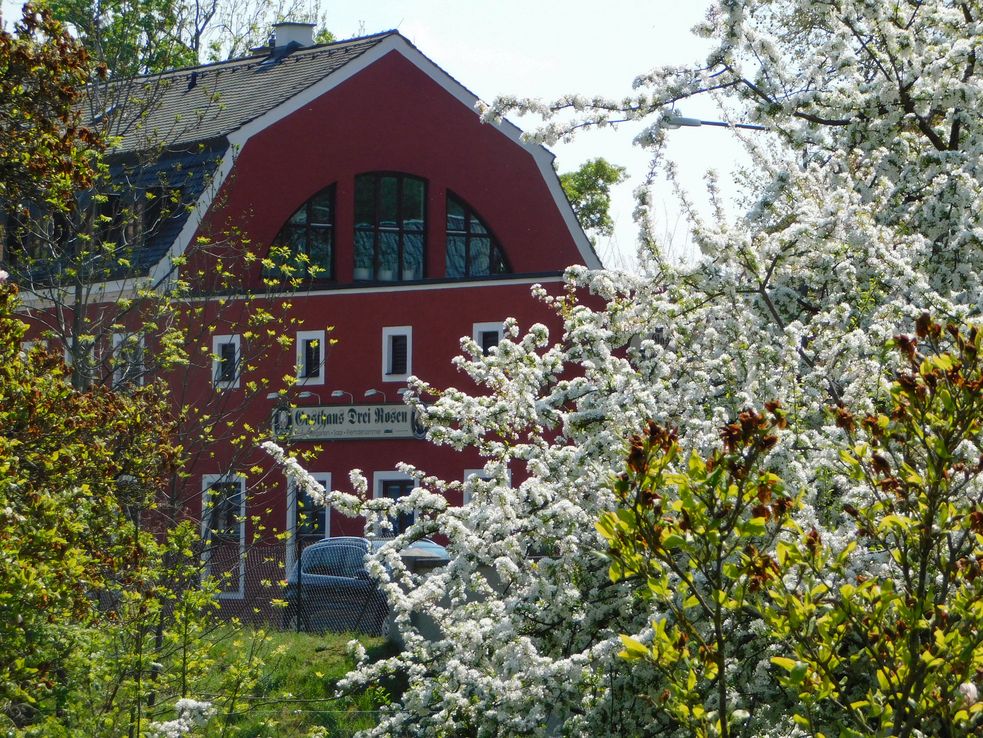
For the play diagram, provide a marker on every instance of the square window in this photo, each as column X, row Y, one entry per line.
column 127, row 359
column 310, row 357
column 397, row 353
column 487, row 335
column 226, row 361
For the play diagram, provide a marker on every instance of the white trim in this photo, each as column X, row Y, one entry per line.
column 395, row 43
column 301, row 338
column 217, row 343
column 395, row 287
column 493, row 327
column 207, row 481
column 291, row 522
column 120, row 371
column 98, row 292
column 378, row 477
column 387, row 334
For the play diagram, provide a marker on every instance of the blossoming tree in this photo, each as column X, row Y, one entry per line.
column 865, row 210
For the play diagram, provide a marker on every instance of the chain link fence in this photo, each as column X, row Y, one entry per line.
column 330, row 592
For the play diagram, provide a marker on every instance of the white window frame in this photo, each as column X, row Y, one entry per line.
column 120, row 371
column 217, row 343
column 480, row 473
column 387, row 334
column 324, row 478
column 389, row 476
column 207, row 481
column 302, row 338
column 493, row 327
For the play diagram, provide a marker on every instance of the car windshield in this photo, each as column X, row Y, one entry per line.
column 335, row 561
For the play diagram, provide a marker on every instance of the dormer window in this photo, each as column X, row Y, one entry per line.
column 472, row 251
column 390, row 223
column 308, row 237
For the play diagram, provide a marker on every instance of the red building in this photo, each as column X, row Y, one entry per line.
column 414, row 224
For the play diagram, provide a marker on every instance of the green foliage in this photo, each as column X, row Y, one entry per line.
column 693, row 534
column 72, row 465
column 129, row 37
column 878, row 632
column 889, row 652
column 44, row 150
column 589, row 191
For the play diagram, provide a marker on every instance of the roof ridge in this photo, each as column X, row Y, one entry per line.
column 252, row 59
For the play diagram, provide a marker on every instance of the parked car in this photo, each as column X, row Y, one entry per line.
column 332, row 591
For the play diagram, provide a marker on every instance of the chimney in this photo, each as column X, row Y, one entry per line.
column 291, row 32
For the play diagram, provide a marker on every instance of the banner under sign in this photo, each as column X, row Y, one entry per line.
column 346, row 422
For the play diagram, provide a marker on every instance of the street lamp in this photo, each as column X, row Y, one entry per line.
column 342, row 393
column 307, row 394
column 373, row 392
column 678, row 122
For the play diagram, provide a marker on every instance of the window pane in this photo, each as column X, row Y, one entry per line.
column 394, row 490
column 413, row 256
column 488, row 340
column 312, row 236
column 224, row 499
column 300, row 217
column 475, row 255
column 311, row 518
column 363, row 252
column 365, row 200
column 397, row 355
column 413, row 204
column 312, row 357
column 388, row 248
column 498, row 265
column 322, row 208
column 227, row 363
column 388, row 201
column 455, row 266
column 455, row 215
column 320, row 251
column 480, row 254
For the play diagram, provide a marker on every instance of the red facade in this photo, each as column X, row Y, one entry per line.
column 389, row 111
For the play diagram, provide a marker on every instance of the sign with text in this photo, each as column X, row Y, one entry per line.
column 346, row 422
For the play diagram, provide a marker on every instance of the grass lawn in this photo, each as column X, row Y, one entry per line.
column 294, row 692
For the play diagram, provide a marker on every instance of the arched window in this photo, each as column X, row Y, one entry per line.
column 390, row 223
column 472, row 251
column 308, row 232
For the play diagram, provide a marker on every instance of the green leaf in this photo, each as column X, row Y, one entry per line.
column 633, row 648
column 784, row 662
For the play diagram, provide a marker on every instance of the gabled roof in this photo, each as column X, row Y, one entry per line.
column 211, row 111
column 213, row 100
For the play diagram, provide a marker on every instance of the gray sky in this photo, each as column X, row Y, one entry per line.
column 547, row 48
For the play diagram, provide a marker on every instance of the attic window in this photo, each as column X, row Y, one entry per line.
column 472, row 250
column 304, row 247
column 390, row 223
